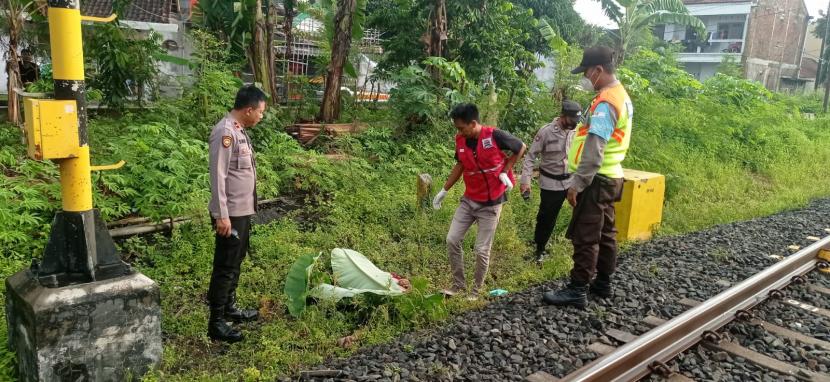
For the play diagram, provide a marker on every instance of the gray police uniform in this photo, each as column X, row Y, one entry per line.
column 233, row 196
column 551, row 143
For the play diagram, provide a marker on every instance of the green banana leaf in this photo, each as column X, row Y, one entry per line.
column 352, row 270
column 296, row 282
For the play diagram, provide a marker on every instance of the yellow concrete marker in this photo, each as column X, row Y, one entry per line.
column 640, row 211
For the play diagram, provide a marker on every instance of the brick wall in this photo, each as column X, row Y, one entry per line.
column 774, row 40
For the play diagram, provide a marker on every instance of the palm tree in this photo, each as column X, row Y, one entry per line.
column 636, row 16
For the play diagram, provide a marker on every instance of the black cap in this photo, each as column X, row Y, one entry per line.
column 598, row 55
column 571, row 108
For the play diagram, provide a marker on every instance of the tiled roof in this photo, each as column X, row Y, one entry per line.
column 151, row 11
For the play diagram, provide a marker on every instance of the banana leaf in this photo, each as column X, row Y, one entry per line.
column 352, row 270
column 296, row 282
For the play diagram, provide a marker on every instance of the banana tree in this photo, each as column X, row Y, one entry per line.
column 248, row 26
column 636, row 16
column 13, row 17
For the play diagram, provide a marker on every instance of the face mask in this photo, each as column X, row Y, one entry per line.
column 586, row 84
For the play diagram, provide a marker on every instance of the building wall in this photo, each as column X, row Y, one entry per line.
column 775, row 41
column 701, row 70
column 4, row 77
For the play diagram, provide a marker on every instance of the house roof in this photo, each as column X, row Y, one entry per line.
column 151, row 11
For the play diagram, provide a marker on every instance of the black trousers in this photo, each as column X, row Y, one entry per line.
column 592, row 230
column 227, row 258
column 546, row 218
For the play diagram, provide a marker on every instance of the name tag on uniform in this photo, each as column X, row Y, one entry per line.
column 461, row 150
column 487, row 143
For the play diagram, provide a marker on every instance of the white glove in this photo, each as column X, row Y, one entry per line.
column 436, row 203
column 506, row 181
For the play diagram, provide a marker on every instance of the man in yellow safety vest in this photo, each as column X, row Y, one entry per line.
column 595, row 160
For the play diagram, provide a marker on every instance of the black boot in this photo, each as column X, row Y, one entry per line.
column 540, row 255
column 239, row 315
column 218, row 328
column 601, row 287
column 572, row 295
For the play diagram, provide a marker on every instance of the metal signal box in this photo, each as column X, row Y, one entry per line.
column 51, row 128
column 640, row 211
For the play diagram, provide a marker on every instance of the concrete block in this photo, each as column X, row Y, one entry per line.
column 100, row 331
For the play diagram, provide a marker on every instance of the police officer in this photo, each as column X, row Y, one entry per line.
column 488, row 177
column 595, row 160
column 232, row 204
column 552, row 142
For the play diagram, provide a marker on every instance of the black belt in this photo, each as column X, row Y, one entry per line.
column 554, row 177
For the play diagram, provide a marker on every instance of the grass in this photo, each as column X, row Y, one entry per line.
column 722, row 165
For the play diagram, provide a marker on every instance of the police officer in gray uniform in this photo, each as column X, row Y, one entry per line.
column 552, row 142
column 233, row 202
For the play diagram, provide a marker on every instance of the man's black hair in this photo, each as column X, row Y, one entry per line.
column 466, row 112
column 249, row 96
column 609, row 68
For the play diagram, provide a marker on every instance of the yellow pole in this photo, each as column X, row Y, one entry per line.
column 68, row 71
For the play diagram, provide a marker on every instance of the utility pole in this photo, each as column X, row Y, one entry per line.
column 81, row 313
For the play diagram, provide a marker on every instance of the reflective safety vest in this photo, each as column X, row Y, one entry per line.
column 617, row 146
column 482, row 167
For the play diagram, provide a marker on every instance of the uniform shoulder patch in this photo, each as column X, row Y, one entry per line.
column 226, row 141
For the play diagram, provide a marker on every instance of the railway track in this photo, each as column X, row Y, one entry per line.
column 650, row 354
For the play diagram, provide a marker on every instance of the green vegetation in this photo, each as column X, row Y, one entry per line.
column 723, row 144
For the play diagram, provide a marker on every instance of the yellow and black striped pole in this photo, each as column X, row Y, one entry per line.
column 80, row 248
column 68, row 71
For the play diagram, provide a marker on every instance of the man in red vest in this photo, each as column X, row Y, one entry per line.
column 488, row 177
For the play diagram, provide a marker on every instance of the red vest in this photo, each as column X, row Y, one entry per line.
column 482, row 169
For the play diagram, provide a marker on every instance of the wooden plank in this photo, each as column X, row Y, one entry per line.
column 620, row 335
column 767, row 362
column 805, row 306
column 541, row 376
column 793, row 335
column 600, row 348
column 819, row 289
column 423, row 192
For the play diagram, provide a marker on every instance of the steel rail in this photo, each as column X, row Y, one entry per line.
column 640, row 357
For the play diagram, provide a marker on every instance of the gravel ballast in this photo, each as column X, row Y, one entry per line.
column 516, row 335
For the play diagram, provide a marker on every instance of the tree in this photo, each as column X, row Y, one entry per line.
column 12, row 22
column 261, row 55
column 249, row 32
column 639, row 16
column 820, row 32
column 346, row 24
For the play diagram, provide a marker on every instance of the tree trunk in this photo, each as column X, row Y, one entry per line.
column 288, row 31
column 438, row 29
column 436, row 35
column 13, row 81
column 261, row 54
column 13, row 69
column 330, row 109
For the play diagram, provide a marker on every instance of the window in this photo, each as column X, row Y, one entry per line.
column 660, row 31
column 730, row 31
